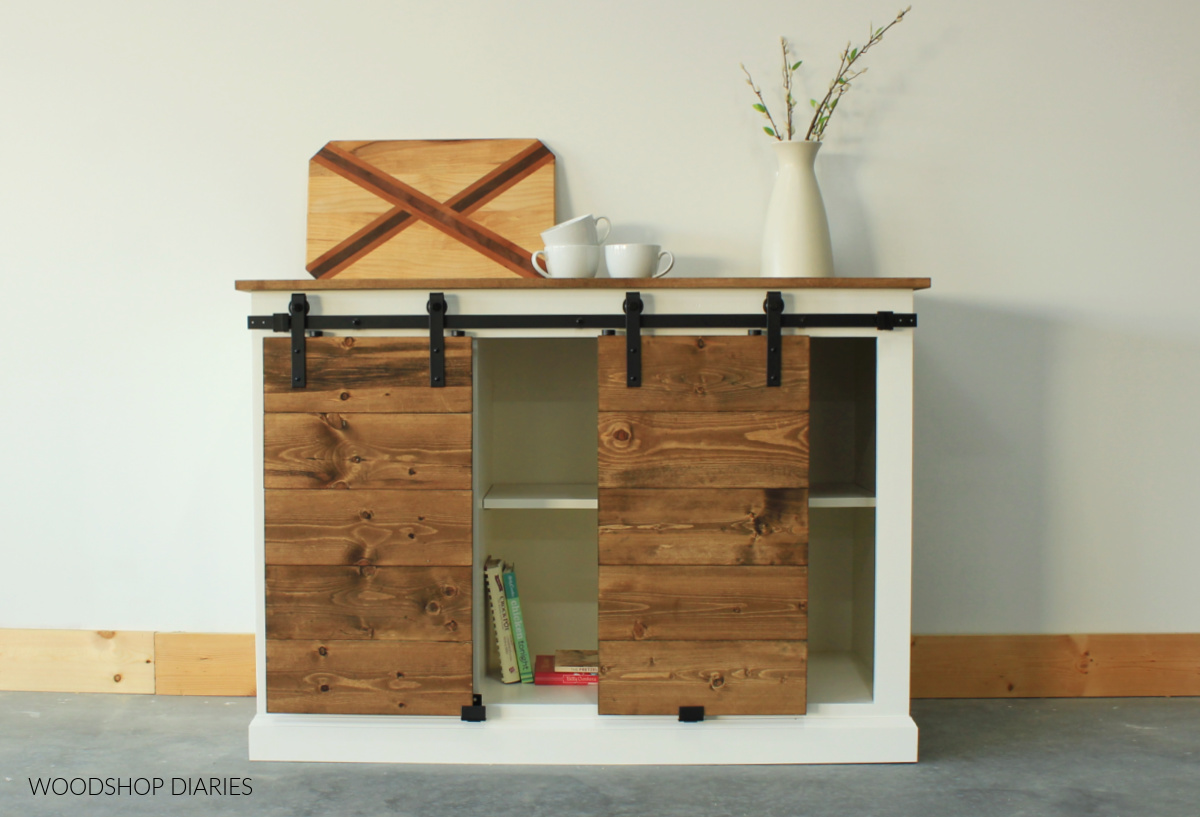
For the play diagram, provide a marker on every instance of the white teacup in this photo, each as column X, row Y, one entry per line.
column 579, row 230
column 637, row 260
column 568, row 261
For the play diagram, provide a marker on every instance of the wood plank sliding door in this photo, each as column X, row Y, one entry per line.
column 703, row 528
column 368, row 528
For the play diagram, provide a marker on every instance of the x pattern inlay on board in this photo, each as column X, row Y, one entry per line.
column 452, row 216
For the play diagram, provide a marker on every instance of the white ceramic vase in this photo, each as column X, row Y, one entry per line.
column 796, row 238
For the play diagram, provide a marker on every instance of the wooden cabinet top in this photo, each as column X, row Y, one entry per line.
column 430, row 284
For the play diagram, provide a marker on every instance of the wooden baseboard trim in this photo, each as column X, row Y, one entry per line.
column 77, row 661
column 943, row 666
column 1056, row 666
column 204, row 663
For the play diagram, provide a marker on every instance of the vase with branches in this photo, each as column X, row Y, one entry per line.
column 822, row 109
column 796, row 238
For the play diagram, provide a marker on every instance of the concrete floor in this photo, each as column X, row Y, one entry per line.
column 978, row 758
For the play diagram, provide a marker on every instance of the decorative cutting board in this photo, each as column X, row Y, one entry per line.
column 471, row 208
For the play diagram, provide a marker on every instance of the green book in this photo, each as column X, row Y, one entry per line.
column 524, row 664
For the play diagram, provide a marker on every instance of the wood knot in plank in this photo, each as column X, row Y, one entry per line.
column 107, row 633
column 348, row 343
column 322, row 651
column 344, row 395
column 433, row 608
column 335, row 421
column 700, row 344
column 716, row 680
column 366, row 515
column 117, row 677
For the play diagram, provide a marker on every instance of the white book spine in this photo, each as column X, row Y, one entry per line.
column 509, row 673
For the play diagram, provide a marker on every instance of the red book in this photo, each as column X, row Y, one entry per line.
column 543, row 673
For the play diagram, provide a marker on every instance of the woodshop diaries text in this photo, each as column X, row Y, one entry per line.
column 140, row 786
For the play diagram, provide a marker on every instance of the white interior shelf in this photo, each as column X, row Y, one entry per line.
column 583, row 496
column 840, row 495
column 535, row 495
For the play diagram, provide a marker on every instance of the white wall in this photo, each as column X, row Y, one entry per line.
column 1037, row 160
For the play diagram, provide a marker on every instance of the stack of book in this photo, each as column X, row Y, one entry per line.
column 567, row 668
column 507, row 622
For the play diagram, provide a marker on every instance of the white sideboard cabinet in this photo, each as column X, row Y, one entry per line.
column 709, row 480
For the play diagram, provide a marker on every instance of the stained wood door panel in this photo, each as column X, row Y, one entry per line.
column 380, row 573
column 760, row 526
column 677, row 603
column 703, row 528
column 368, row 527
column 369, row 603
column 367, row 451
column 703, row 449
column 704, row 374
column 349, row 374
column 725, row 677
column 368, row 678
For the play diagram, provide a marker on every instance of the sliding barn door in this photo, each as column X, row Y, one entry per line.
column 368, row 528
column 703, row 528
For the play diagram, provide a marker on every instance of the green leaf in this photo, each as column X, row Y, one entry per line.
column 768, row 131
column 878, row 31
column 796, row 65
column 812, row 102
column 853, row 54
column 833, row 104
column 759, row 108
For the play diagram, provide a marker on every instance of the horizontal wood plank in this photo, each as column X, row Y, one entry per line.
column 719, row 373
column 368, row 678
column 1055, row 666
column 703, row 449
column 672, row 282
column 758, row 526
column 726, row 678
column 368, row 527
column 677, row 603
column 1121, row 665
column 77, row 661
column 430, row 451
column 351, row 374
column 383, row 603
column 204, row 664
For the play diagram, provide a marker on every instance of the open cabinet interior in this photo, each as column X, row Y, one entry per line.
column 535, row 489
column 841, row 547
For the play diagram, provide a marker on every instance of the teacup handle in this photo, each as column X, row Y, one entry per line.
column 670, row 263
column 607, row 229
column 539, row 269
